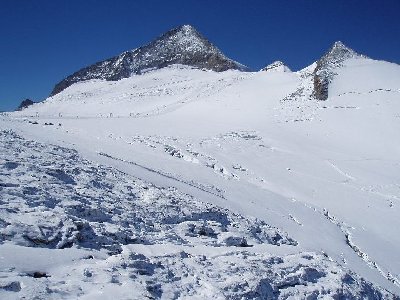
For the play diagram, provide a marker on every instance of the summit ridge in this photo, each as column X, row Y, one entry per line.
column 181, row 45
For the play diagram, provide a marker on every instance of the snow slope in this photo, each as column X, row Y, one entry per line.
column 254, row 147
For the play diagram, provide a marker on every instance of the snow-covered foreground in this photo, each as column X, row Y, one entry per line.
column 187, row 183
column 72, row 228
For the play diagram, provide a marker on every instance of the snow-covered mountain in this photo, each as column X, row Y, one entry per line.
column 182, row 45
column 276, row 66
column 183, row 183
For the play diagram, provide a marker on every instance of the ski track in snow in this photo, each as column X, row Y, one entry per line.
column 211, row 190
column 336, row 168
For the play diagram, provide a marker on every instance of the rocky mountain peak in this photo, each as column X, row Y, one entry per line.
column 337, row 54
column 276, row 66
column 340, row 46
column 186, row 31
column 325, row 66
column 24, row 104
column 185, row 38
column 181, row 45
column 187, row 28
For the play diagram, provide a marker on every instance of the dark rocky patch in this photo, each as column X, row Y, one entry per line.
column 24, row 104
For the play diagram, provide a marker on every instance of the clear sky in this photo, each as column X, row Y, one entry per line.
column 43, row 41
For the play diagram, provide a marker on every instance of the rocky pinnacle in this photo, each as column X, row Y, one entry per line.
column 324, row 71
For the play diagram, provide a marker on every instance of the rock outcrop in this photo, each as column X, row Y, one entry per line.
column 326, row 65
column 24, row 104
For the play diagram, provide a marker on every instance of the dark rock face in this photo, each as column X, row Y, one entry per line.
column 321, row 84
column 324, row 71
column 24, row 104
column 182, row 45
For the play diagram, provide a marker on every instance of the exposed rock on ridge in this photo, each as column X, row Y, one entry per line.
column 24, row 104
column 324, row 70
column 277, row 66
column 182, row 45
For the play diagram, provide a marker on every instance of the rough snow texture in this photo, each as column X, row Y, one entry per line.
column 183, row 45
column 54, row 199
column 97, row 207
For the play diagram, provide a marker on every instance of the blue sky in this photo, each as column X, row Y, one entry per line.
column 41, row 42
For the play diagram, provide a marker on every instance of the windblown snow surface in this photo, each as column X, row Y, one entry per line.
column 182, row 183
